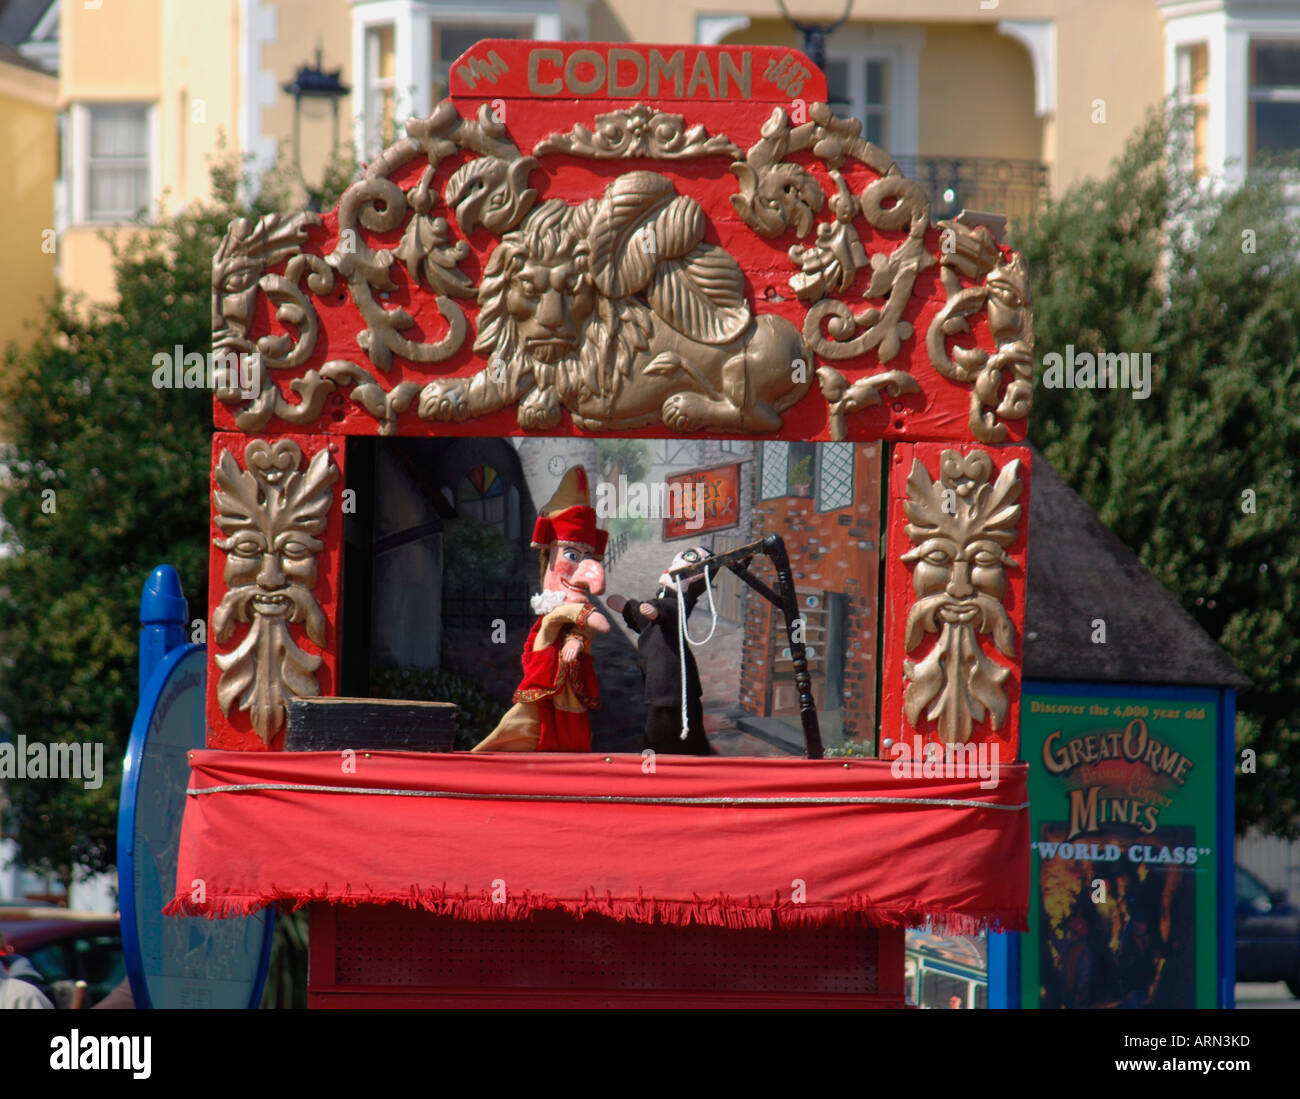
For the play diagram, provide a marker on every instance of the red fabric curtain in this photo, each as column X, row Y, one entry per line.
column 735, row 842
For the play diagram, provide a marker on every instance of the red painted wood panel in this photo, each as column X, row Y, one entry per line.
column 235, row 730
column 633, row 72
column 390, row 956
column 941, row 408
column 950, row 587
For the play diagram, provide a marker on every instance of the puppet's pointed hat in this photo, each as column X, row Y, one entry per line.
column 569, row 518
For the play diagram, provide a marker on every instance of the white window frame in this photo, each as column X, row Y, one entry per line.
column 78, row 160
column 1228, row 38
column 412, row 21
column 259, row 87
column 857, row 92
column 1290, row 94
column 42, row 44
column 374, row 85
column 443, row 73
column 901, row 48
column 1183, row 89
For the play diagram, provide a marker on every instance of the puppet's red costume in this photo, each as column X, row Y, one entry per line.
column 552, row 693
column 552, row 701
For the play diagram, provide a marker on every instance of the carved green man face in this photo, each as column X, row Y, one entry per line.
column 281, row 564
column 963, row 571
column 959, row 527
column 271, row 513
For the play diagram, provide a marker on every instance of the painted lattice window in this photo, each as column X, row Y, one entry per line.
column 835, row 476
column 775, row 462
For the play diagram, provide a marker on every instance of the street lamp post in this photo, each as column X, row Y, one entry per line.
column 815, row 34
column 314, row 83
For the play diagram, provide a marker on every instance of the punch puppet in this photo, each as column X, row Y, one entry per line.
column 674, row 711
column 559, row 685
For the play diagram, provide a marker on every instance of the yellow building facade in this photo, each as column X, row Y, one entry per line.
column 28, row 104
column 151, row 91
column 992, row 104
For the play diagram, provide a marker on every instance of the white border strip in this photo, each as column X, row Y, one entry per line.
column 307, row 788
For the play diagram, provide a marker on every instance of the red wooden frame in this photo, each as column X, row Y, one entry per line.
column 537, row 89
column 234, row 731
column 900, row 596
column 493, row 76
column 372, row 957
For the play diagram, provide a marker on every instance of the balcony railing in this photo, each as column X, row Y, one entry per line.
column 1016, row 188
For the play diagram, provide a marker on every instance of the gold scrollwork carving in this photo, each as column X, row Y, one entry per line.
column 638, row 131
column 971, row 252
column 778, row 194
column 845, row 399
column 490, row 190
column 623, row 314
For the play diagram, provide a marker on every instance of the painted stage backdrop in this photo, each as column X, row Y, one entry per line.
column 470, row 574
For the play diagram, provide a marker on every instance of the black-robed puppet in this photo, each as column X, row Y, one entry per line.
column 655, row 621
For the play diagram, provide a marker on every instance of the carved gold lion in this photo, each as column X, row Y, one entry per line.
column 617, row 310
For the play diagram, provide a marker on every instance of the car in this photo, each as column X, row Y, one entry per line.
column 1268, row 933
column 65, row 947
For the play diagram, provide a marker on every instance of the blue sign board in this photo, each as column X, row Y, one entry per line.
column 176, row 962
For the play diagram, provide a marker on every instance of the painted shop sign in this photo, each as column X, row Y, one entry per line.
column 715, row 497
column 1124, row 883
column 622, row 72
column 649, row 241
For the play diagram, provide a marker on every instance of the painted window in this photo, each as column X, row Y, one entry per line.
column 801, row 469
column 823, row 470
column 481, row 494
column 1274, row 99
column 117, row 161
column 774, row 466
column 834, row 476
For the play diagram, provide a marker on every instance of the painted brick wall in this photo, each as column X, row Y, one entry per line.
column 834, row 551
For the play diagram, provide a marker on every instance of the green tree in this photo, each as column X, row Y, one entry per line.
column 102, row 477
column 630, row 458
column 1199, row 479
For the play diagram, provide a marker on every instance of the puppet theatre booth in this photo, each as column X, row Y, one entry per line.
column 587, row 244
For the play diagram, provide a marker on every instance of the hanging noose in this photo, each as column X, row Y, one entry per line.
column 684, row 637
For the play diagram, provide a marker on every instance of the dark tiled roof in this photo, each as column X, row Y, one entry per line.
column 18, row 18
column 1079, row 571
column 10, row 56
